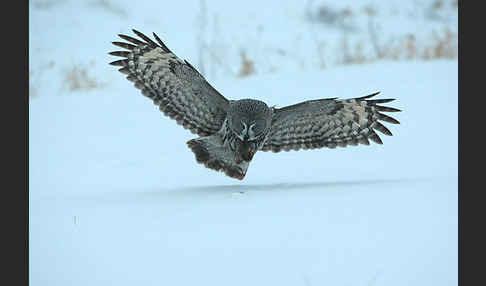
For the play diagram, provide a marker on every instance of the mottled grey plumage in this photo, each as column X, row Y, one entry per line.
column 232, row 131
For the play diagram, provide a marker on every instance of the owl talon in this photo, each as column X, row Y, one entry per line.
column 235, row 173
column 201, row 153
column 215, row 158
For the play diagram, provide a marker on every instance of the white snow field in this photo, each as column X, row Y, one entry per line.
column 117, row 198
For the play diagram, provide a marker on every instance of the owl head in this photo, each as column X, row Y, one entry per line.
column 250, row 122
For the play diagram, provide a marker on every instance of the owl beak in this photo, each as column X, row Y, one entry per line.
column 251, row 152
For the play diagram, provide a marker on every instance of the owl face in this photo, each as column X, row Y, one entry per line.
column 249, row 122
column 249, row 132
column 249, row 119
column 247, row 128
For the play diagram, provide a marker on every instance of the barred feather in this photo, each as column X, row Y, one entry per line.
column 124, row 45
column 120, row 54
column 334, row 123
column 132, row 40
column 174, row 85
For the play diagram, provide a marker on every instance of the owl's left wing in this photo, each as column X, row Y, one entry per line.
column 179, row 90
column 328, row 123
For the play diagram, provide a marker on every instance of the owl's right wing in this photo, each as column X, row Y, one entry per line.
column 179, row 90
column 328, row 123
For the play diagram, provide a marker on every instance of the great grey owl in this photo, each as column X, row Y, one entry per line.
column 232, row 131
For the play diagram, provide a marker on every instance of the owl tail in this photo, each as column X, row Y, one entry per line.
column 210, row 151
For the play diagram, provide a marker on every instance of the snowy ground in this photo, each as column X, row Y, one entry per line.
column 116, row 197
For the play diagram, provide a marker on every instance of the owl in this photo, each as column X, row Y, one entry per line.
column 232, row 131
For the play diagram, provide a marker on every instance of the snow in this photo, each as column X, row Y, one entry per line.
column 116, row 197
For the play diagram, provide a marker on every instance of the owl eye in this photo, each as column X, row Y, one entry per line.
column 259, row 126
column 237, row 124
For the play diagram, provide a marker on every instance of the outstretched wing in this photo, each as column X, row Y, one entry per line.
column 179, row 90
column 328, row 123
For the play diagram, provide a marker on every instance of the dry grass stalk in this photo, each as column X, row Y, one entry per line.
column 76, row 78
column 247, row 66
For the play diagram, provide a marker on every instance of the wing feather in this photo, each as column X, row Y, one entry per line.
column 329, row 123
column 179, row 90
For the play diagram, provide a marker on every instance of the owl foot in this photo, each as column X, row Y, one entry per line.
column 218, row 158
